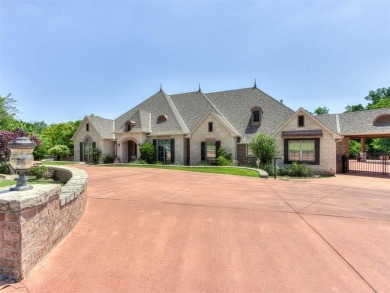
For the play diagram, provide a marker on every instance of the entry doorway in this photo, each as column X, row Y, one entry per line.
column 132, row 150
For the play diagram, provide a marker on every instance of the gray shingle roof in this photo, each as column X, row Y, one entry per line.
column 360, row 122
column 158, row 104
column 103, row 126
column 236, row 105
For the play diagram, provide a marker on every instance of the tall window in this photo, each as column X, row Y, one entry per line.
column 164, row 149
column 210, row 126
column 302, row 151
column 211, row 152
column 256, row 115
column 301, row 121
column 88, row 147
column 87, row 126
column 249, row 152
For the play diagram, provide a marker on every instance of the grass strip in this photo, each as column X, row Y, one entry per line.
column 215, row 170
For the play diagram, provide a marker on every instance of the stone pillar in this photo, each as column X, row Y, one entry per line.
column 363, row 154
column 342, row 148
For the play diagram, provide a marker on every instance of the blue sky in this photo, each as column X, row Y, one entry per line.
column 62, row 60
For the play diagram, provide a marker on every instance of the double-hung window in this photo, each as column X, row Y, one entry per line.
column 302, row 150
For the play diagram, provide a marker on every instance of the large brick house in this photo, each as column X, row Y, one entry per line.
column 189, row 128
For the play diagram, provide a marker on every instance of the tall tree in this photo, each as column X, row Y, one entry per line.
column 60, row 134
column 375, row 97
column 8, row 112
column 354, row 108
column 321, row 111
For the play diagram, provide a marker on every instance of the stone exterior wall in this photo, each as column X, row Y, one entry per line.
column 82, row 135
column 180, row 153
column 342, row 148
column 242, row 158
column 327, row 144
column 219, row 133
column 32, row 222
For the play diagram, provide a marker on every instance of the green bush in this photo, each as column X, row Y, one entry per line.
column 148, row 152
column 224, row 158
column 39, row 152
column 96, row 153
column 39, row 172
column 107, row 159
column 203, row 163
column 59, row 151
column 140, row 162
column 299, row 170
column 5, row 168
column 264, row 148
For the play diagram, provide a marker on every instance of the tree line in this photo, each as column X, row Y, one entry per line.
column 377, row 99
column 51, row 140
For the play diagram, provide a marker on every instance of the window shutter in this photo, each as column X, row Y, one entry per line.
column 203, row 151
column 217, row 147
column 172, row 150
column 81, row 152
column 94, row 145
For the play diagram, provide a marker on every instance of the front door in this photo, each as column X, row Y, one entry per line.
column 132, row 150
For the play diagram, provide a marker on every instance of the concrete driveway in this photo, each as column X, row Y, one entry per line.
column 148, row 230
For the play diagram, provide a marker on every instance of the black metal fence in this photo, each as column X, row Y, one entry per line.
column 374, row 164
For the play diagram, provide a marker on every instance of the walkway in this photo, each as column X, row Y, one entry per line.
column 148, row 230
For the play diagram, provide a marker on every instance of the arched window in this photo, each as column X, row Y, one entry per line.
column 162, row 119
column 256, row 115
column 382, row 120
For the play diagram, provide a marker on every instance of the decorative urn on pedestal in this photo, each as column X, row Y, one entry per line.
column 21, row 160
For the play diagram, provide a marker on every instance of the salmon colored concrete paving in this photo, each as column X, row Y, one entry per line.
column 148, row 230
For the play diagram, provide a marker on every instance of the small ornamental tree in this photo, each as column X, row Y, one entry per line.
column 59, row 151
column 264, row 148
column 148, row 153
column 8, row 136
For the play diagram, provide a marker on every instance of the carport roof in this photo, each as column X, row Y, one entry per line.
column 357, row 124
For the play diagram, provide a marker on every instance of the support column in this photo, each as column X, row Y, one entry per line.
column 363, row 154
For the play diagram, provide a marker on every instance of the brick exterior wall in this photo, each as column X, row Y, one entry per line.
column 242, row 158
column 32, row 222
column 327, row 144
column 219, row 133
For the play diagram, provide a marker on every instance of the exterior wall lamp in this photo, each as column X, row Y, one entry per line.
column 21, row 160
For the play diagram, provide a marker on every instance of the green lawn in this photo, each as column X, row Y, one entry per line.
column 6, row 183
column 216, row 170
column 56, row 163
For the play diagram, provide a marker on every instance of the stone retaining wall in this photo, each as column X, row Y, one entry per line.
column 32, row 222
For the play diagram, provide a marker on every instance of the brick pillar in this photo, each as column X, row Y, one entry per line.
column 363, row 154
column 342, row 148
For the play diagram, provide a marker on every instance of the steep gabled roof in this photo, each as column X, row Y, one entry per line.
column 236, row 105
column 355, row 123
column 301, row 111
column 105, row 127
column 142, row 121
column 157, row 105
column 221, row 119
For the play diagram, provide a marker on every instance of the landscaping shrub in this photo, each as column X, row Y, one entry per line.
column 40, row 172
column 107, row 159
column 299, row 170
column 148, row 152
column 96, row 153
column 203, row 163
column 59, row 151
column 224, row 158
column 264, row 148
column 5, row 168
